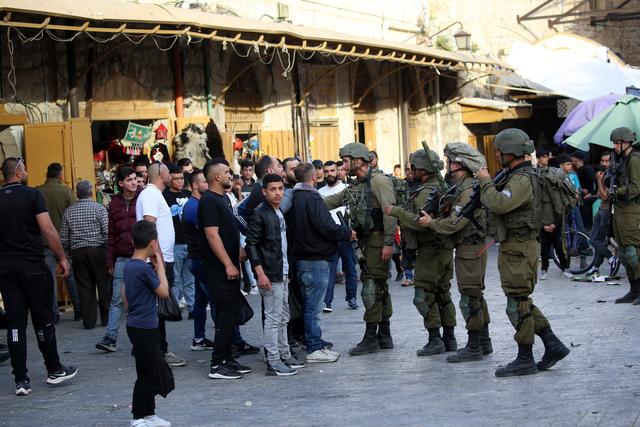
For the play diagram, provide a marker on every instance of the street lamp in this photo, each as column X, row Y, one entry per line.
column 463, row 40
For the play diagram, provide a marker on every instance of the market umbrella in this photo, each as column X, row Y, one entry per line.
column 582, row 114
column 625, row 112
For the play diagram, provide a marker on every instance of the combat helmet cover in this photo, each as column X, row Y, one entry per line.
column 623, row 134
column 463, row 153
column 513, row 141
column 431, row 163
column 355, row 150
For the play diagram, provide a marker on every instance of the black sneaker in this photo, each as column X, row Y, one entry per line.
column 202, row 344
column 243, row 369
column 245, row 348
column 62, row 374
column 223, row 372
column 106, row 344
column 23, row 388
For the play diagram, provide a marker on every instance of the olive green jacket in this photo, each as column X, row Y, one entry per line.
column 58, row 197
column 627, row 198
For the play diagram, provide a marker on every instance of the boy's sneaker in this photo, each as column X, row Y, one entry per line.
column 140, row 422
column 106, row 344
column 245, row 348
column 567, row 274
column 326, row 308
column 201, row 344
column 280, row 370
column 223, row 372
column 254, row 290
column 23, row 388
column 173, row 360
column 322, row 356
column 294, row 363
column 543, row 275
column 156, row 421
column 243, row 369
column 614, row 264
column 62, row 374
column 352, row 304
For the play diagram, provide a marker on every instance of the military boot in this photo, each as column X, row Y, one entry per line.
column 634, row 292
column 384, row 335
column 522, row 365
column 449, row 339
column 369, row 343
column 554, row 350
column 637, row 300
column 435, row 345
column 473, row 350
column 485, row 341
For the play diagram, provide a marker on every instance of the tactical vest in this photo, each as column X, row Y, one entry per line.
column 470, row 234
column 356, row 203
column 524, row 221
column 622, row 175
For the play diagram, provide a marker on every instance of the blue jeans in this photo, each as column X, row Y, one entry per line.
column 313, row 277
column 200, row 304
column 51, row 260
column 183, row 284
column 345, row 253
column 115, row 308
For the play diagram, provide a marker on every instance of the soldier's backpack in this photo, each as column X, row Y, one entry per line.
column 400, row 189
column 557, row 193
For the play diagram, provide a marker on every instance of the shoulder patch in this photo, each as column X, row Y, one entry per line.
column 506, row 193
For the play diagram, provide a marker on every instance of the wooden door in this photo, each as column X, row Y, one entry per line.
column 44, row 143
column 324, row 142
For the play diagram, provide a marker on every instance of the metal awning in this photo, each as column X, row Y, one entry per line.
column 483, row 110
column 112, row 18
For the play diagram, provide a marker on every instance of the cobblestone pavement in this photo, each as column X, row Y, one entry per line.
column 597, row 384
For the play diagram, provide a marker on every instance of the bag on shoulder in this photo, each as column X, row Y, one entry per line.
column 558, row 194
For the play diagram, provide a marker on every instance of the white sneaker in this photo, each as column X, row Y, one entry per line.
column 567, row 275
column 182, row 303
column 156, row 421
column 543, row 275
column 254, row 290
column 140, row 422
column 244, row 294
column 323, row 356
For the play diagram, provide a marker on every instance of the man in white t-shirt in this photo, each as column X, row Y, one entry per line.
column 152, row 206
column 345, row 251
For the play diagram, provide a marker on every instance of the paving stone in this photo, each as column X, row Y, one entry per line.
column 597, row 384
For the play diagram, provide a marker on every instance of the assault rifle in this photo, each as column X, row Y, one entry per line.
column 354, row 244
column 433, row 203
column 468, row 211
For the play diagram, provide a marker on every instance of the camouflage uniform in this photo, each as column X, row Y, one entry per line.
column 515, row 207
column 434, row 265
column 364, row 199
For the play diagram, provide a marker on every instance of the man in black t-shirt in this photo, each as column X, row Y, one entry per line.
column 26, row 283
column 220, row 255
column 176, row 197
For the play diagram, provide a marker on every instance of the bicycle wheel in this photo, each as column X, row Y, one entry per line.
column 579, row 252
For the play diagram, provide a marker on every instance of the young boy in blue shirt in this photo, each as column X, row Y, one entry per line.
column 143, row 285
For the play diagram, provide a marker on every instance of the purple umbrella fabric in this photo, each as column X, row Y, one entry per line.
column 582, row 114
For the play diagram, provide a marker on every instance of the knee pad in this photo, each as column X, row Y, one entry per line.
column 629, row 257
column 464, row 306
column 424, row 301
column 512, row 311
column 368, row 294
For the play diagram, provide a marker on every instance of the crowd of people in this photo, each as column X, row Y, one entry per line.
column 289, row 231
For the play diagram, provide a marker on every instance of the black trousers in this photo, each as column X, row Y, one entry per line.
column 28, row 287
column 547, row 240
column 90, row 273
column 162, row 327
column 146, row 350
column 225, row 295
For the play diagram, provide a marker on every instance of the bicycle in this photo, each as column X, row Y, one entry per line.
column 579, row 251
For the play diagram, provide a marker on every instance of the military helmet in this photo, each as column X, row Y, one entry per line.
column 513, row 141
column 355, row 150
column 431, row 163
column 623, row 134
column 463, row 153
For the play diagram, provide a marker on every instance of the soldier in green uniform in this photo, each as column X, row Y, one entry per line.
column 514, row 205
column 626, row 213
column 471, row 256
column 365, row 197
column 434, row 263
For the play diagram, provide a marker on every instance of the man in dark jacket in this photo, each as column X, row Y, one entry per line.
column 267, row 248
column 122, row 218
column 313, row 249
